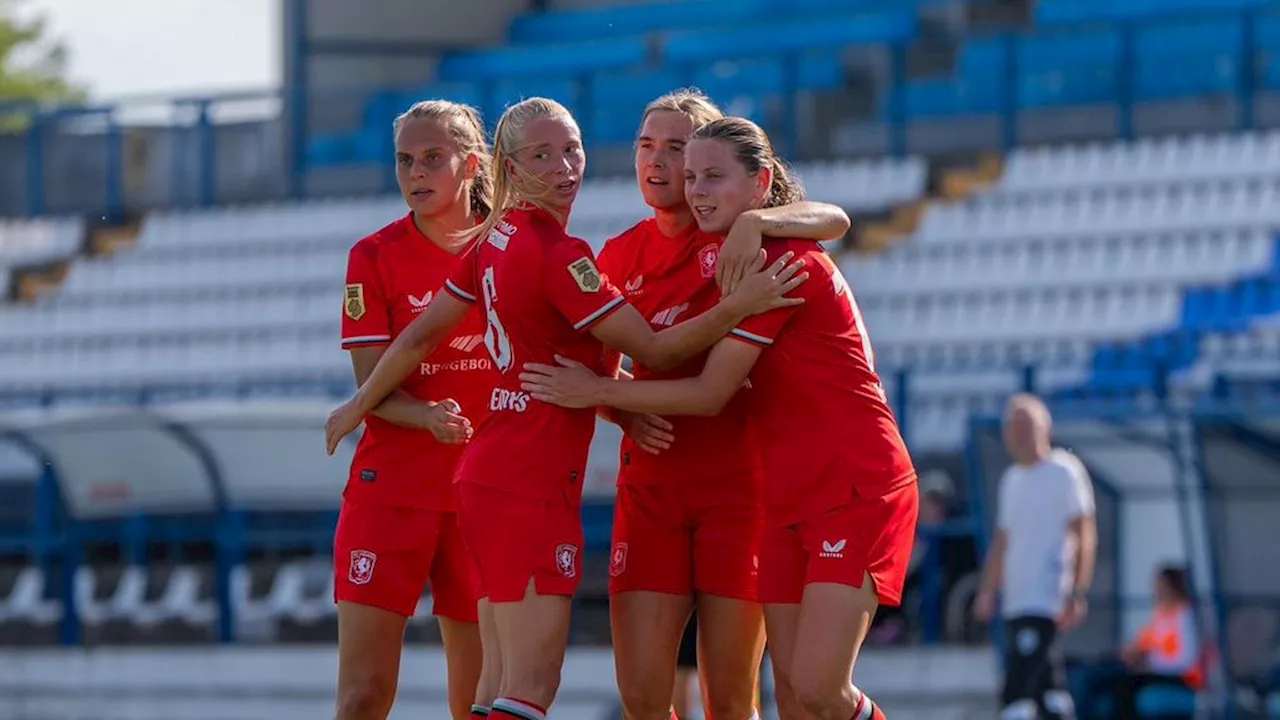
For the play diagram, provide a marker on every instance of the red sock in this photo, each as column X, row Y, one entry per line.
column 866, row 709
column 515, row 709
column 479, row 712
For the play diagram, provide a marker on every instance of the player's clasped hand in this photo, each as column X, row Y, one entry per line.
column 765, row 290
column 445, row 421
column 340, row 424
column 649, row 432
column 568, row 384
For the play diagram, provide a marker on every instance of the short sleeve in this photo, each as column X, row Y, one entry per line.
column 462, row 281
column 576, row 287
column 1003, row 491
column 1079, row 489
column 763, row 329
column 366, row 315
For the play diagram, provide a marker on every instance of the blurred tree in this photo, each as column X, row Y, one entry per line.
column 32, row 65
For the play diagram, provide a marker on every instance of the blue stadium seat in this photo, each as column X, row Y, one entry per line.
column 509, row 92
column 1071, row 69
column 793, row 35
column 1208, row 57
column 618, row 99
column 1065, row 12
column 543, row 60
column 624, row 20
column 1163, row 701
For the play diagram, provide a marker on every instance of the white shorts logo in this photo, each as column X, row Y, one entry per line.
column 566, row 560
column 361, row 570
column 833, row 549
column 618, row 559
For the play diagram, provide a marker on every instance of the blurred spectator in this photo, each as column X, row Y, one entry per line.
column 1166, row 651
column 1040, row 562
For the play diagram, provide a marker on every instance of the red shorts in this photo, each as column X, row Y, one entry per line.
column 513, row 538
column 384, row 557
column 866, row 536
column 668, row 540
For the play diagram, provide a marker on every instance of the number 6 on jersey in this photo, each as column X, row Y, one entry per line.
column 495, row 336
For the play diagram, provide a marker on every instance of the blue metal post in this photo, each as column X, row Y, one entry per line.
column 296, row 98
column 114, row 139
column 205, row 136
column 1012, row 69
column 1126, row 79
column 35, row 164
column 72, row 552
column 898, row 99
column 1248, row 71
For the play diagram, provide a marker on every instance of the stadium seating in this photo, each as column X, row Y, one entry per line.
column 25, row 243
column 606, row 63
column 246, row 295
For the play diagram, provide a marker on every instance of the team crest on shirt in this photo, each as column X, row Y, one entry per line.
column 618, row 559
column 361, row 570
column 584, row 273
column 567, row 560
column 707, row 258
column 353, row 304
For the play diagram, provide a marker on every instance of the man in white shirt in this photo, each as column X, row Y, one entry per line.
column 1040, row 561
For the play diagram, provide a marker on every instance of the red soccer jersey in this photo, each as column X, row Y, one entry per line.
column 670, row 280
column 540, row 292
column 825, row 428
column 391, row 276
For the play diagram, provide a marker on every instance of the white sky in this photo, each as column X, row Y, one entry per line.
column 127, row 48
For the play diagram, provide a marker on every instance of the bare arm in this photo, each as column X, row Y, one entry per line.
column 706, row 394
column 628, row 332
column 400, row 407
column 403, row 356
column 805, row 219
column 1085, row 529
column 993, row 570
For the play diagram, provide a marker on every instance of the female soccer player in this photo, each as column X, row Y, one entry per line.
column 688, row 520
column 520, row 481
column 398, row 527
column 840, row 492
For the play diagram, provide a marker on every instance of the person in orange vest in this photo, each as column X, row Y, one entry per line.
column 1167, row 651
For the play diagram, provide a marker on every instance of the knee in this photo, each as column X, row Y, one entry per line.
column 536, row 682
column 730, row 698
column 645, row 700
column 367, row 699
column 819, row 698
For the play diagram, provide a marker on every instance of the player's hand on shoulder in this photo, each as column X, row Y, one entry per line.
column 650, row 432
column 568, row 383
column 739, row 252
column 444, row 419
column 341, row 423
column 766, row 288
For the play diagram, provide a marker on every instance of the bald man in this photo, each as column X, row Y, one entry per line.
column 1040, row 562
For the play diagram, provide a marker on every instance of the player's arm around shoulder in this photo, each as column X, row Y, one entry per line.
column 812, row 221
column 573, row 385
column 767, row 288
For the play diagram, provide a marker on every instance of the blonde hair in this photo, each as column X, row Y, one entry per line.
column 690, row 102
column 511, row 189
column 467, row 129
column 751, row 148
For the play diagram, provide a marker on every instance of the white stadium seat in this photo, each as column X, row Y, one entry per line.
column 1074, row 246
